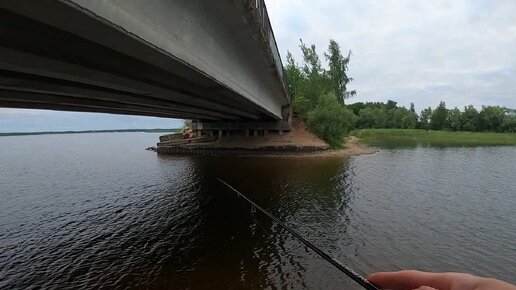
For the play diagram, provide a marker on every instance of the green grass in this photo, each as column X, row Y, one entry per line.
column 420, row 137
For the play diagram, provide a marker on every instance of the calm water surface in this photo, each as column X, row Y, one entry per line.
column 97, row 211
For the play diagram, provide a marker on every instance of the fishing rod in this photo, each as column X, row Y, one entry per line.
column 343, row 268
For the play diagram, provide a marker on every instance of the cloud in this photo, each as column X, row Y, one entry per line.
column 459, row 51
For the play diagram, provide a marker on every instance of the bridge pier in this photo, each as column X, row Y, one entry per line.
column 240, row 128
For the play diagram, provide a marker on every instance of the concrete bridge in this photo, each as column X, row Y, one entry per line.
column 213, row 61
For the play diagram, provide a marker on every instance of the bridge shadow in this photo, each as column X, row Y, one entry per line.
column 235, row 248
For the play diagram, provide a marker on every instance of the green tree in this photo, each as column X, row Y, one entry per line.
column 509, row 121
column 412, row 118
column 391, row 105
column 330, row 120
column 454, row 119
column 469, row 118
column 409, row 121
column 397, row 117
column 365, row 118
column 491, row 118
column 356, row 107
column 318, row 94
column 426, row 115
column 338, row 65
column 316, row 81
column 301, row 105
column 439, row 115
column 372, row 117
column 294, row 76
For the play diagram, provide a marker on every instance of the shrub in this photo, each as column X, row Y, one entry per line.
column 330, row 120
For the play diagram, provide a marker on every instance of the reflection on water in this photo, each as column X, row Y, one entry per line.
column 85, row 211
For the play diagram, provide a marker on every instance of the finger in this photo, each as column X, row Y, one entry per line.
column 408, row 280
column 425, row 288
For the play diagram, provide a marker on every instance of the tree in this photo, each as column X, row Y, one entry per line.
column 372, row 117
column 409, row 121
column 318, row 94
column 356, row 107
column 391, row 105
column 469, row 118
column 301, row 105
column 398, row 117
column 412, row 117
column 338, row 65
column 412, row 109
column 454, row 119
column 509, row 121
column 294, row 76
column 330, row 120
column 426, row 115
column 491, row 118
column 439, row 115
column 316, row 81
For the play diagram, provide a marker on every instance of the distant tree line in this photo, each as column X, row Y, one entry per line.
column 319, row 94
column 389, row 115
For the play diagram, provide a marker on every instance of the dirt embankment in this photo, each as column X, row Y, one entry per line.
column 298, row 142
column 299, row 136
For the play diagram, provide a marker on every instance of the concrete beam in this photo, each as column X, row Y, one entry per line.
column 244, row 125
column 27, row 83
column 57, row 107
column 45, row 101
column 21, row 62
column 206, row 53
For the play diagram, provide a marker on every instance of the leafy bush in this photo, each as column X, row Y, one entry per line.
column 301, row 105
column 330, row 120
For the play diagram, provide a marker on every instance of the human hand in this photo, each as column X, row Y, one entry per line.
column 410, row 280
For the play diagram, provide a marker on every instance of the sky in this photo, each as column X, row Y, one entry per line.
column 458, row 51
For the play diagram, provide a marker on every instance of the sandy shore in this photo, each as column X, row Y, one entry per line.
column 351, row 148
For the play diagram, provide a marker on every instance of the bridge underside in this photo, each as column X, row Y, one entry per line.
column 176, row 59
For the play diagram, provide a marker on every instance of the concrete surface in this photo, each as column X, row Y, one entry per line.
column 196, row 59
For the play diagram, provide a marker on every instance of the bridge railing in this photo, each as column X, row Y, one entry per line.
column 268, row 35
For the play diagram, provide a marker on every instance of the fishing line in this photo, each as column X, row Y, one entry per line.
column 343, row 268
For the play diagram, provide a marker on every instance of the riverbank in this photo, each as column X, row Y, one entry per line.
column 379, row 137
column 352, row 147
column 297, row 142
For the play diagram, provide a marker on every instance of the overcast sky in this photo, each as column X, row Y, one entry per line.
column 459, row 51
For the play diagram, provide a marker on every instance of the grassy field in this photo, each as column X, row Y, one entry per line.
column 414, row 137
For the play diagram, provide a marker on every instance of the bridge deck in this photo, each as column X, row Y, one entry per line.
column 206, row 60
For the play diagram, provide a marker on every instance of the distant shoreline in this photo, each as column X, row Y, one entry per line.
column 90, row 131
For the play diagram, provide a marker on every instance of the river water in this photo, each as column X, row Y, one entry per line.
column 98, row 211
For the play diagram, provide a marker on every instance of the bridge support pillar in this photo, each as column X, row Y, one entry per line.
column 242, row 128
